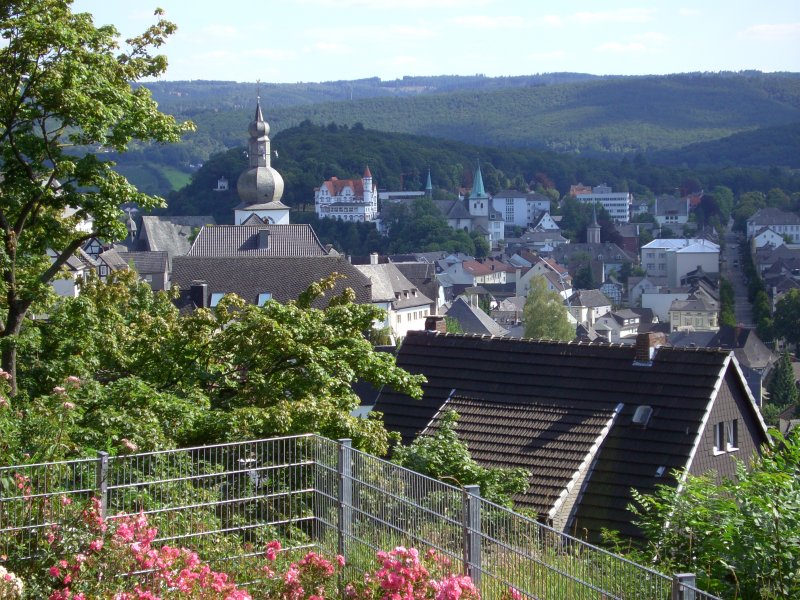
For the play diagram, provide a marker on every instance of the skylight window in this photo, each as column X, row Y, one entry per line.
column 263, row 297
column 215, row 298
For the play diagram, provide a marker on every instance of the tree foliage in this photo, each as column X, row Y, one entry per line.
column 234, row 372
column 545, row 315
column 66, row 93
column 740, row 536
column 444, row 456
column 787, row 319
column 782, row 387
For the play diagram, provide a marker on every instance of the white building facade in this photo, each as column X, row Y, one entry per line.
column 348, row 199
column 616, row 204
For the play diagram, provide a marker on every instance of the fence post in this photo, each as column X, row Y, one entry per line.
column 472, row 532
column 101, row 481
column 678, row 591
column 344, row 469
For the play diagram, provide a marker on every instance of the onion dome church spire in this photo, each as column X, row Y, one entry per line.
column 260, row 187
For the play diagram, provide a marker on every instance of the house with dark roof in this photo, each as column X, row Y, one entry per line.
column 152, row 267
column 589, row 421
column 618, row 326
column 173, row 235
column 406, row 307
column 604, row 258
column 782, row 223
column 586, row 306
column 695, row 313
column 264, row 240
column 472, row 319
column 203, row 280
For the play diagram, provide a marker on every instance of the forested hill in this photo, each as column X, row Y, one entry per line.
column 309, row 154
column 586, row 115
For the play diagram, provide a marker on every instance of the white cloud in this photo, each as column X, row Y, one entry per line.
column 688, row 12
column 552, row 20
column 651, row 37
column 270, row 54
column 772, row 32
column 623, row 15
column 488, row 22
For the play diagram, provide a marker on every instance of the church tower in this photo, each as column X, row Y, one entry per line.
column 478, row 198
column 429, row 186
column 260, row 187
column 593, row 229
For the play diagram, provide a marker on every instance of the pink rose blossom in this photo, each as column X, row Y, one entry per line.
column 59, row 390
column 68, row 405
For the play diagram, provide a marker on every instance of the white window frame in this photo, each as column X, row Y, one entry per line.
column 719, row 438
column 732, row 436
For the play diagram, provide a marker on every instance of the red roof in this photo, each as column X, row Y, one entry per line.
column 366, row 172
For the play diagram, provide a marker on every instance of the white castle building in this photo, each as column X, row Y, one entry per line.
column 348, row 199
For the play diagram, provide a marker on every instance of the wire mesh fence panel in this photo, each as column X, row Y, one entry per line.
column 35, row 498
column 227, row 501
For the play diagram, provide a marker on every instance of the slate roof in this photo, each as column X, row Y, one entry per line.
column 552, row 441
column 284, row 278
column 773, row 216
column 453, row 209
column 171, row 234
column 679, row 384
column 146, row 263
column 473, row 319
column 390, row 285
column 589, row 299
column 243, row 240
column 113, row 260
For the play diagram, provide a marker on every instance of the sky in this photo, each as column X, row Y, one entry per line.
column 288, row 41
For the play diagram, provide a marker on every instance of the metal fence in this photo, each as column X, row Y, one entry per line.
column 226, row 501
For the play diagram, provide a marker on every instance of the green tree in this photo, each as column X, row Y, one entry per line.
column 444, row 456
column 230, row 373
column 740, row 536
column 787, row 319
column 545, row 315
column 66, row 92
column 782, row 387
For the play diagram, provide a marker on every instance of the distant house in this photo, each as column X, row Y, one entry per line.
column 152, row 267
column 670, row 211
column 589, row 421
column 618, row 326
column 782, row 223
column 674, row 257
column 603, row 257
column 766, row 236
column 406, row 307
column 520, row 208
column 586, row 306
column 695, row 313
column 473, row 320
column 265, row 240
column 173, row 235
column 616, row 204
column 479, row 271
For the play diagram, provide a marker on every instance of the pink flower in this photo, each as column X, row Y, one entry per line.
column 515, row 594
column 272, row 549
column 74, row 381
column 3, row 401
column 59, row 390
column 96, row 545
column 128, row 445
column 5, row 374
column 68, row 405
column 66, row 500
column 340, row 560
column 54, row 571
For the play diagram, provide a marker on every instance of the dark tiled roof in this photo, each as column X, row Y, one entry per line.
column 474, row 320
column 171, row 234
column 146, row 262
column 243, row 240
column 390, row 285
column 284, row 278
column 549, row 440
column 678, row 384
column 774, row 216
column 589, row 299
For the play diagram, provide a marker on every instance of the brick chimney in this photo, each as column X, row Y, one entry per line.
column 646, row 344
column 435, row 323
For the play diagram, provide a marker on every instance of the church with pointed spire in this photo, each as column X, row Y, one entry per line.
column 260, row 187
column 353, row 200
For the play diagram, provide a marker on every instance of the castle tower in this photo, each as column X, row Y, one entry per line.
column 593, row 229
column 367, row 179
column 260, row 187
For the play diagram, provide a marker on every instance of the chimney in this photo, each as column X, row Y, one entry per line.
column 373, row 258
column 435, row 323
column 263, row 239
column 198, row 292
column 646, row 344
